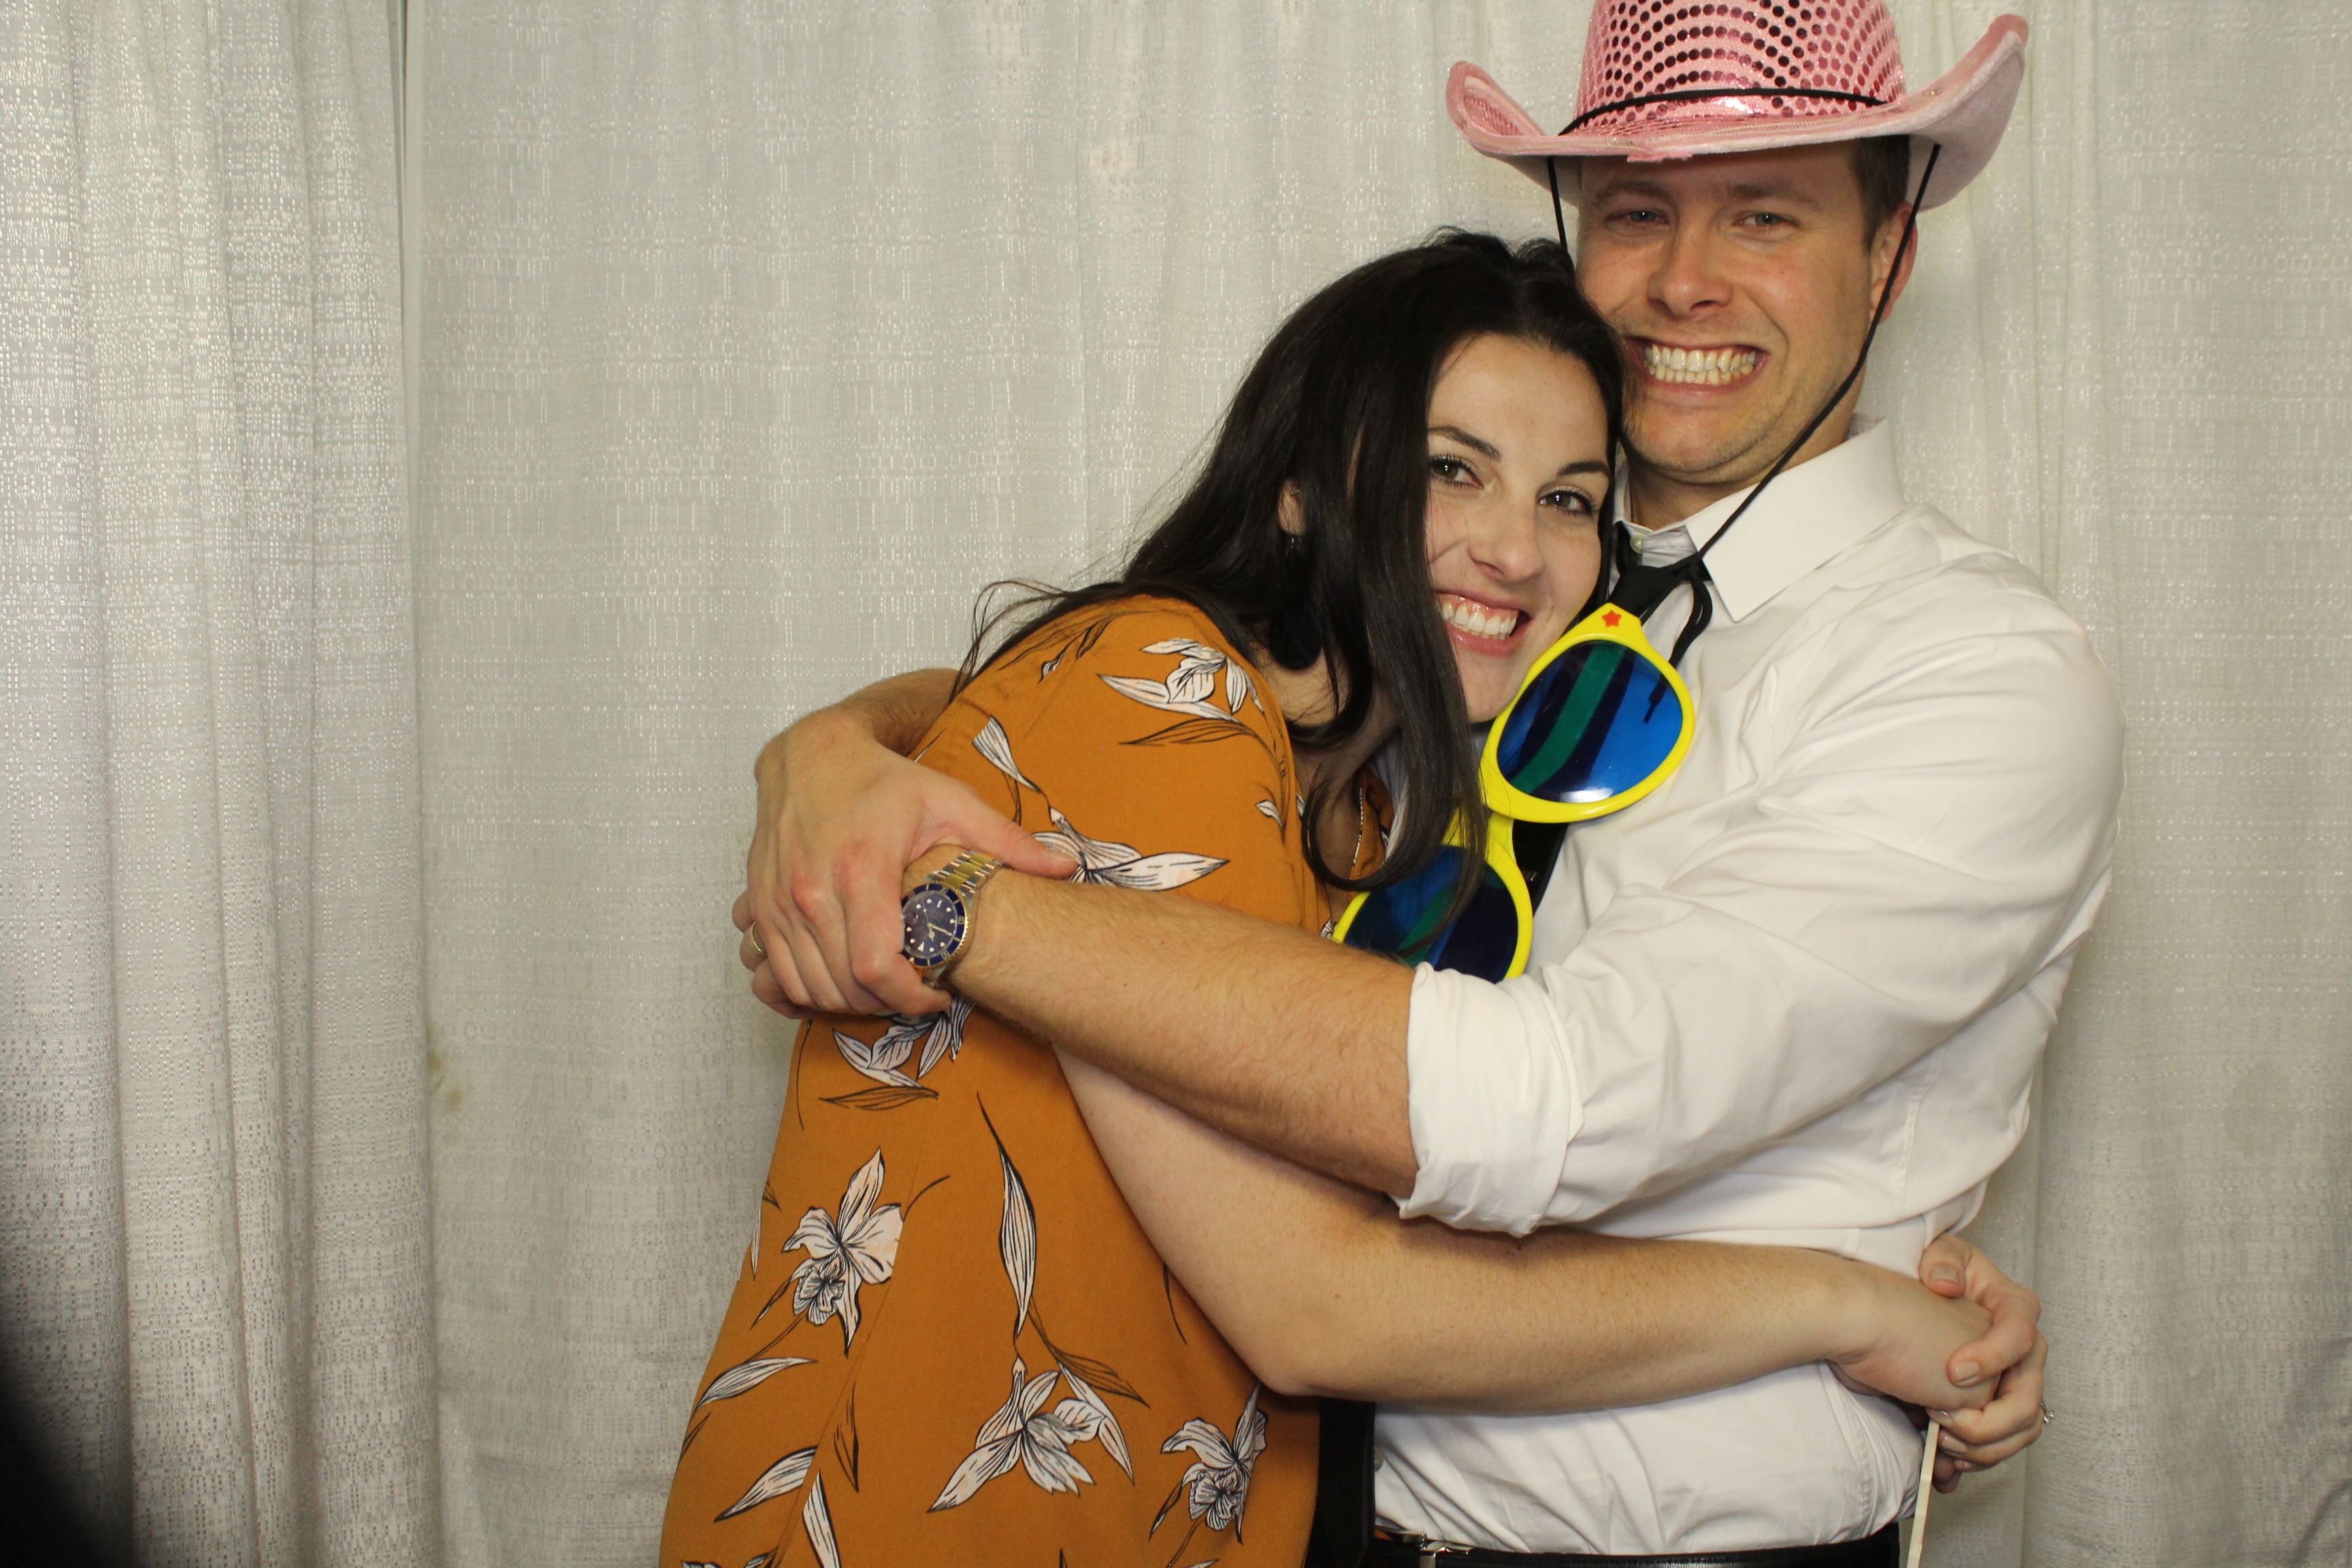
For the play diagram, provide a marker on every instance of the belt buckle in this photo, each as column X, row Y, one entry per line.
column 1431, row 1553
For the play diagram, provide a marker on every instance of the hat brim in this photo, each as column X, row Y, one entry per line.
column 1964, row 112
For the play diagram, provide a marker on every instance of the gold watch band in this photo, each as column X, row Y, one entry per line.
column 966, row 872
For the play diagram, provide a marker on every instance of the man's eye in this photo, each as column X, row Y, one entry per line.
column 1637, row 215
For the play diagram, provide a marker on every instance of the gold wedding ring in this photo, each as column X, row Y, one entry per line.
column 752, row 935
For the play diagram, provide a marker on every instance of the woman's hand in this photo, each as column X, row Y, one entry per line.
column 841, row 815
column 1904, row 1340
column 1980, row 1438
column 1995, row 1368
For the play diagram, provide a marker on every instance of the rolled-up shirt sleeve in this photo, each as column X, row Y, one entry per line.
column 1932, row 835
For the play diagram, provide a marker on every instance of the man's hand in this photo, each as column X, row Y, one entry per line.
column 2010, row 1423
column 841, row 814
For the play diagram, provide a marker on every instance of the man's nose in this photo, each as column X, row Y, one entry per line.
column 1688, row 277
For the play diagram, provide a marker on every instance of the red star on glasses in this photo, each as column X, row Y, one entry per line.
column 1609, row 619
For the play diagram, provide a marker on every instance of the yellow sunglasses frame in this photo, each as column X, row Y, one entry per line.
column 1504, row 863
column 1506, row 803
column 1607, row 623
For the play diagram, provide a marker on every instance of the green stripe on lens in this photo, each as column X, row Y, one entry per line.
column 1427, row 926
column 1575, row 717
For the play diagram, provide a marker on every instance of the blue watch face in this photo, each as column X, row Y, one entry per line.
column 935, row 925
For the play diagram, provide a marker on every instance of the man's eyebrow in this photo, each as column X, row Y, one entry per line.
column 1633, row 186
column 1747, row 190
column 1454, row 432
column 1771, row 193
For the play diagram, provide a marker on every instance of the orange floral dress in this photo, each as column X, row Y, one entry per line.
column 951, row 1344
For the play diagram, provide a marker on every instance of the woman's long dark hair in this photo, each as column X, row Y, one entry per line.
column 1338, row 405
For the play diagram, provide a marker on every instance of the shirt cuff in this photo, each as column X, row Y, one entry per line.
column 1493, row 1099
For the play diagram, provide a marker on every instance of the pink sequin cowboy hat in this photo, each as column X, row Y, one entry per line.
column 1680, row 78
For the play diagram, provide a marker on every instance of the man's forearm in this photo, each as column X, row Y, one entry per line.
column 895, row 712
column 1280, row 1038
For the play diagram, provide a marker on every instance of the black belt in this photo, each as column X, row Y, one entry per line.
column 1412, row 1551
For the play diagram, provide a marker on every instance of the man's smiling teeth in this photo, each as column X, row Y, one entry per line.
column 1696, row 367
column 1479, row 620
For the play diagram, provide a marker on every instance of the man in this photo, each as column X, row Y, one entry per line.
column 1796, row 995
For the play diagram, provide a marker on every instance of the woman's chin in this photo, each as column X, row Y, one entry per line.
column 1486, row 693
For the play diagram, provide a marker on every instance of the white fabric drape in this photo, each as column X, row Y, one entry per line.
column 214, row 1273
column 756, row 336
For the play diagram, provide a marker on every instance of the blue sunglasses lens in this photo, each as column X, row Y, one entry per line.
column 1594, row 723
column 1407, row 920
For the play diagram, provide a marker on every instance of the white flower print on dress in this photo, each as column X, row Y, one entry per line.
column 817, row 1520
column 859, row 1248
column 1024, row 1432
column 1215, row 1485
column 884, row 1061
column 784, row 1475
column 1121, row 865
column 741, row 1380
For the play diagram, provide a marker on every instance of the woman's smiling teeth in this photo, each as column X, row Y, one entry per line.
column 1477, row 620
column 1696, row 367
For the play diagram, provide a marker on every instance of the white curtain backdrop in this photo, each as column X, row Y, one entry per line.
column 746, row 339
column 215, row 1280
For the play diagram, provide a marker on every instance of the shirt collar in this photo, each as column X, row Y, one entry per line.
column 1809, row 514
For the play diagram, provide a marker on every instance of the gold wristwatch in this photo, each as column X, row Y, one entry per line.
column 937, row 913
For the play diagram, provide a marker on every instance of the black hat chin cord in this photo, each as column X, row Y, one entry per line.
column 1560, row 214
column 1641, row 589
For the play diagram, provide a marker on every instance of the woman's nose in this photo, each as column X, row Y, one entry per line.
column 1504, row 541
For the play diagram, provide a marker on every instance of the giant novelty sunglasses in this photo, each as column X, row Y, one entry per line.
column 1590, row 731
column 1599, row 721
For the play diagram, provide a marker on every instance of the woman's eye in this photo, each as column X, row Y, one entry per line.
column 1574, row 501
column 1454, row 471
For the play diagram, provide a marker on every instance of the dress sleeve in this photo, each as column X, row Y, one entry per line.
column 1135, row 740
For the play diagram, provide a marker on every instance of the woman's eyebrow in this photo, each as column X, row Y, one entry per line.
column 1589, row 466
column 1455, row 433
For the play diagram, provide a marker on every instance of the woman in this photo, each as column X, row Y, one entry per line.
column 1399, row 513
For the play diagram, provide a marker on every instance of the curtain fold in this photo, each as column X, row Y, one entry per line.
column 213, row 1216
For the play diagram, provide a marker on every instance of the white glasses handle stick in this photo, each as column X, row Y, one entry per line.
column 1926, row 1491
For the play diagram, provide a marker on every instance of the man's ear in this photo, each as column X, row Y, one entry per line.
column 1292, row 512
column 1882, row 254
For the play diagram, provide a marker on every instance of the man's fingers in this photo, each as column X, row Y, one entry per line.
column 983, row 830
column 810, row 984
column 764, row 987
column 820, row 941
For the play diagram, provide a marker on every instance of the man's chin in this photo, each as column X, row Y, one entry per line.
column 1724, row 464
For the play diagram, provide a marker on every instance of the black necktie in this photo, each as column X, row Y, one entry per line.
column 1641, row 589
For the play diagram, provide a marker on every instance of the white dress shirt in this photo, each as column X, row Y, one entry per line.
column 1796, row 996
